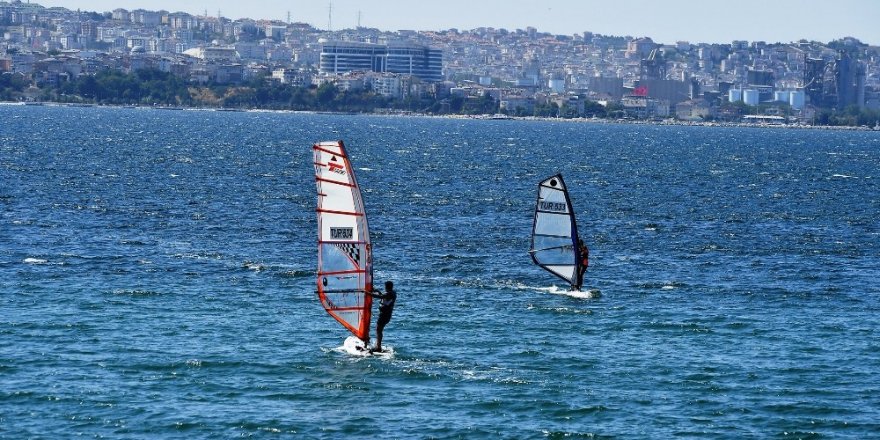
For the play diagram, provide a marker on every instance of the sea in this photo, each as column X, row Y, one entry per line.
column 157, row 279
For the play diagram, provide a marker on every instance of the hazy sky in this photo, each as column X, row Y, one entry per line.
column 666, row 21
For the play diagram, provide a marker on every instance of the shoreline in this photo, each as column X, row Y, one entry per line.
column 665, row 122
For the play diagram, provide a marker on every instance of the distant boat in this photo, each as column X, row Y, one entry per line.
column 554, row 244
column 499, row 117
column 345, row 261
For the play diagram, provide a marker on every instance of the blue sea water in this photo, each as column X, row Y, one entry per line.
column 157, row 280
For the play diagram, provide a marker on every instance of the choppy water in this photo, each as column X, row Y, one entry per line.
column 156, row 280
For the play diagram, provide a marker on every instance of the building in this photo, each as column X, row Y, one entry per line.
column 642, row 107
column 420, row 61
column 664, row 89
column 756, row 77
column 814, row 80
column 343, row 57
column 640, row 48
column 213, row 54
column 604, row 86
column 838, row 83
column 693, row 110
column 653, row 67
column 849, row 77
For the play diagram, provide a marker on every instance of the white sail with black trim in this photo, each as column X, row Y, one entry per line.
column 345, row 263
column 554, row 232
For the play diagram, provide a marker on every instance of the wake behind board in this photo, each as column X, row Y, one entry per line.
column 580, row 294
column 354, row 346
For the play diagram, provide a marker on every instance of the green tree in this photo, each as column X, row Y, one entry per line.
column 326, row 94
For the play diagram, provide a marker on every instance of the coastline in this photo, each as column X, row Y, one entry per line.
column 664, row 122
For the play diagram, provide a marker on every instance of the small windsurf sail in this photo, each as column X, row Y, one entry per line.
column 345, row 262
column 554, row 232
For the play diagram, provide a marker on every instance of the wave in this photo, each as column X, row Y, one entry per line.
column 256, row 267
column 135, row 292
column 667, row 285
column 295, row 273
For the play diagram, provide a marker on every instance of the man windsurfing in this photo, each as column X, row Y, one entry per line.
column 386, row 308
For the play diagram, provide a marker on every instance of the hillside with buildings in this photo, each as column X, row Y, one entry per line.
column 62, row 55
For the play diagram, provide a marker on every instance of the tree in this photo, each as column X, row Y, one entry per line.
column 326, row 93
column 88, row 87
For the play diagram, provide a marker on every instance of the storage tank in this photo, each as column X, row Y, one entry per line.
column 796, row 99
column 556, row 85
column 750, row 97
column 781, row 95
column 734, row 95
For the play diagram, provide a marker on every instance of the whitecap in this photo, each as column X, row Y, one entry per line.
column 256, row 267
column 565, row 291
column 30, row 260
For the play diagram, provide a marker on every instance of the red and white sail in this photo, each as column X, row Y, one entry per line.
column 345, row 262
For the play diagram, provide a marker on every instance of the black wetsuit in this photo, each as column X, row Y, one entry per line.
column 386, row 308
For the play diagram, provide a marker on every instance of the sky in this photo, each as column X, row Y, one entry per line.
column 665, row 21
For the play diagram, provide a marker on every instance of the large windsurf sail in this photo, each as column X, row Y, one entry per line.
column 345, row 262
column 554, row 232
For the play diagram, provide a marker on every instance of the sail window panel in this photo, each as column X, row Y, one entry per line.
column 336, row 258
column 566, row 272
column 552, row 250
column 352, row 318
column 343, row 300
column 342, row 281
column 553, row 224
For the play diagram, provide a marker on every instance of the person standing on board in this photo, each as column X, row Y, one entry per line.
column 386, row 308
column 585, row 261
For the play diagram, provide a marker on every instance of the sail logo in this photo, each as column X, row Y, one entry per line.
column 336, row 167
column 552, row 206
column 341, row 233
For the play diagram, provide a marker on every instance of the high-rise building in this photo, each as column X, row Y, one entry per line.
column 756, row 77
column 814, row 80
column 420, row 61
column 849, row 75
column 653, row 67
column 423, row 62
column 838, row 83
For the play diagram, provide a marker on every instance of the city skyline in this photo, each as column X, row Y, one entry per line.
column 665, row 22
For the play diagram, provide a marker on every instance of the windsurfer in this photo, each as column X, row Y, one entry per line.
column 585, row 261
column 386, row 308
